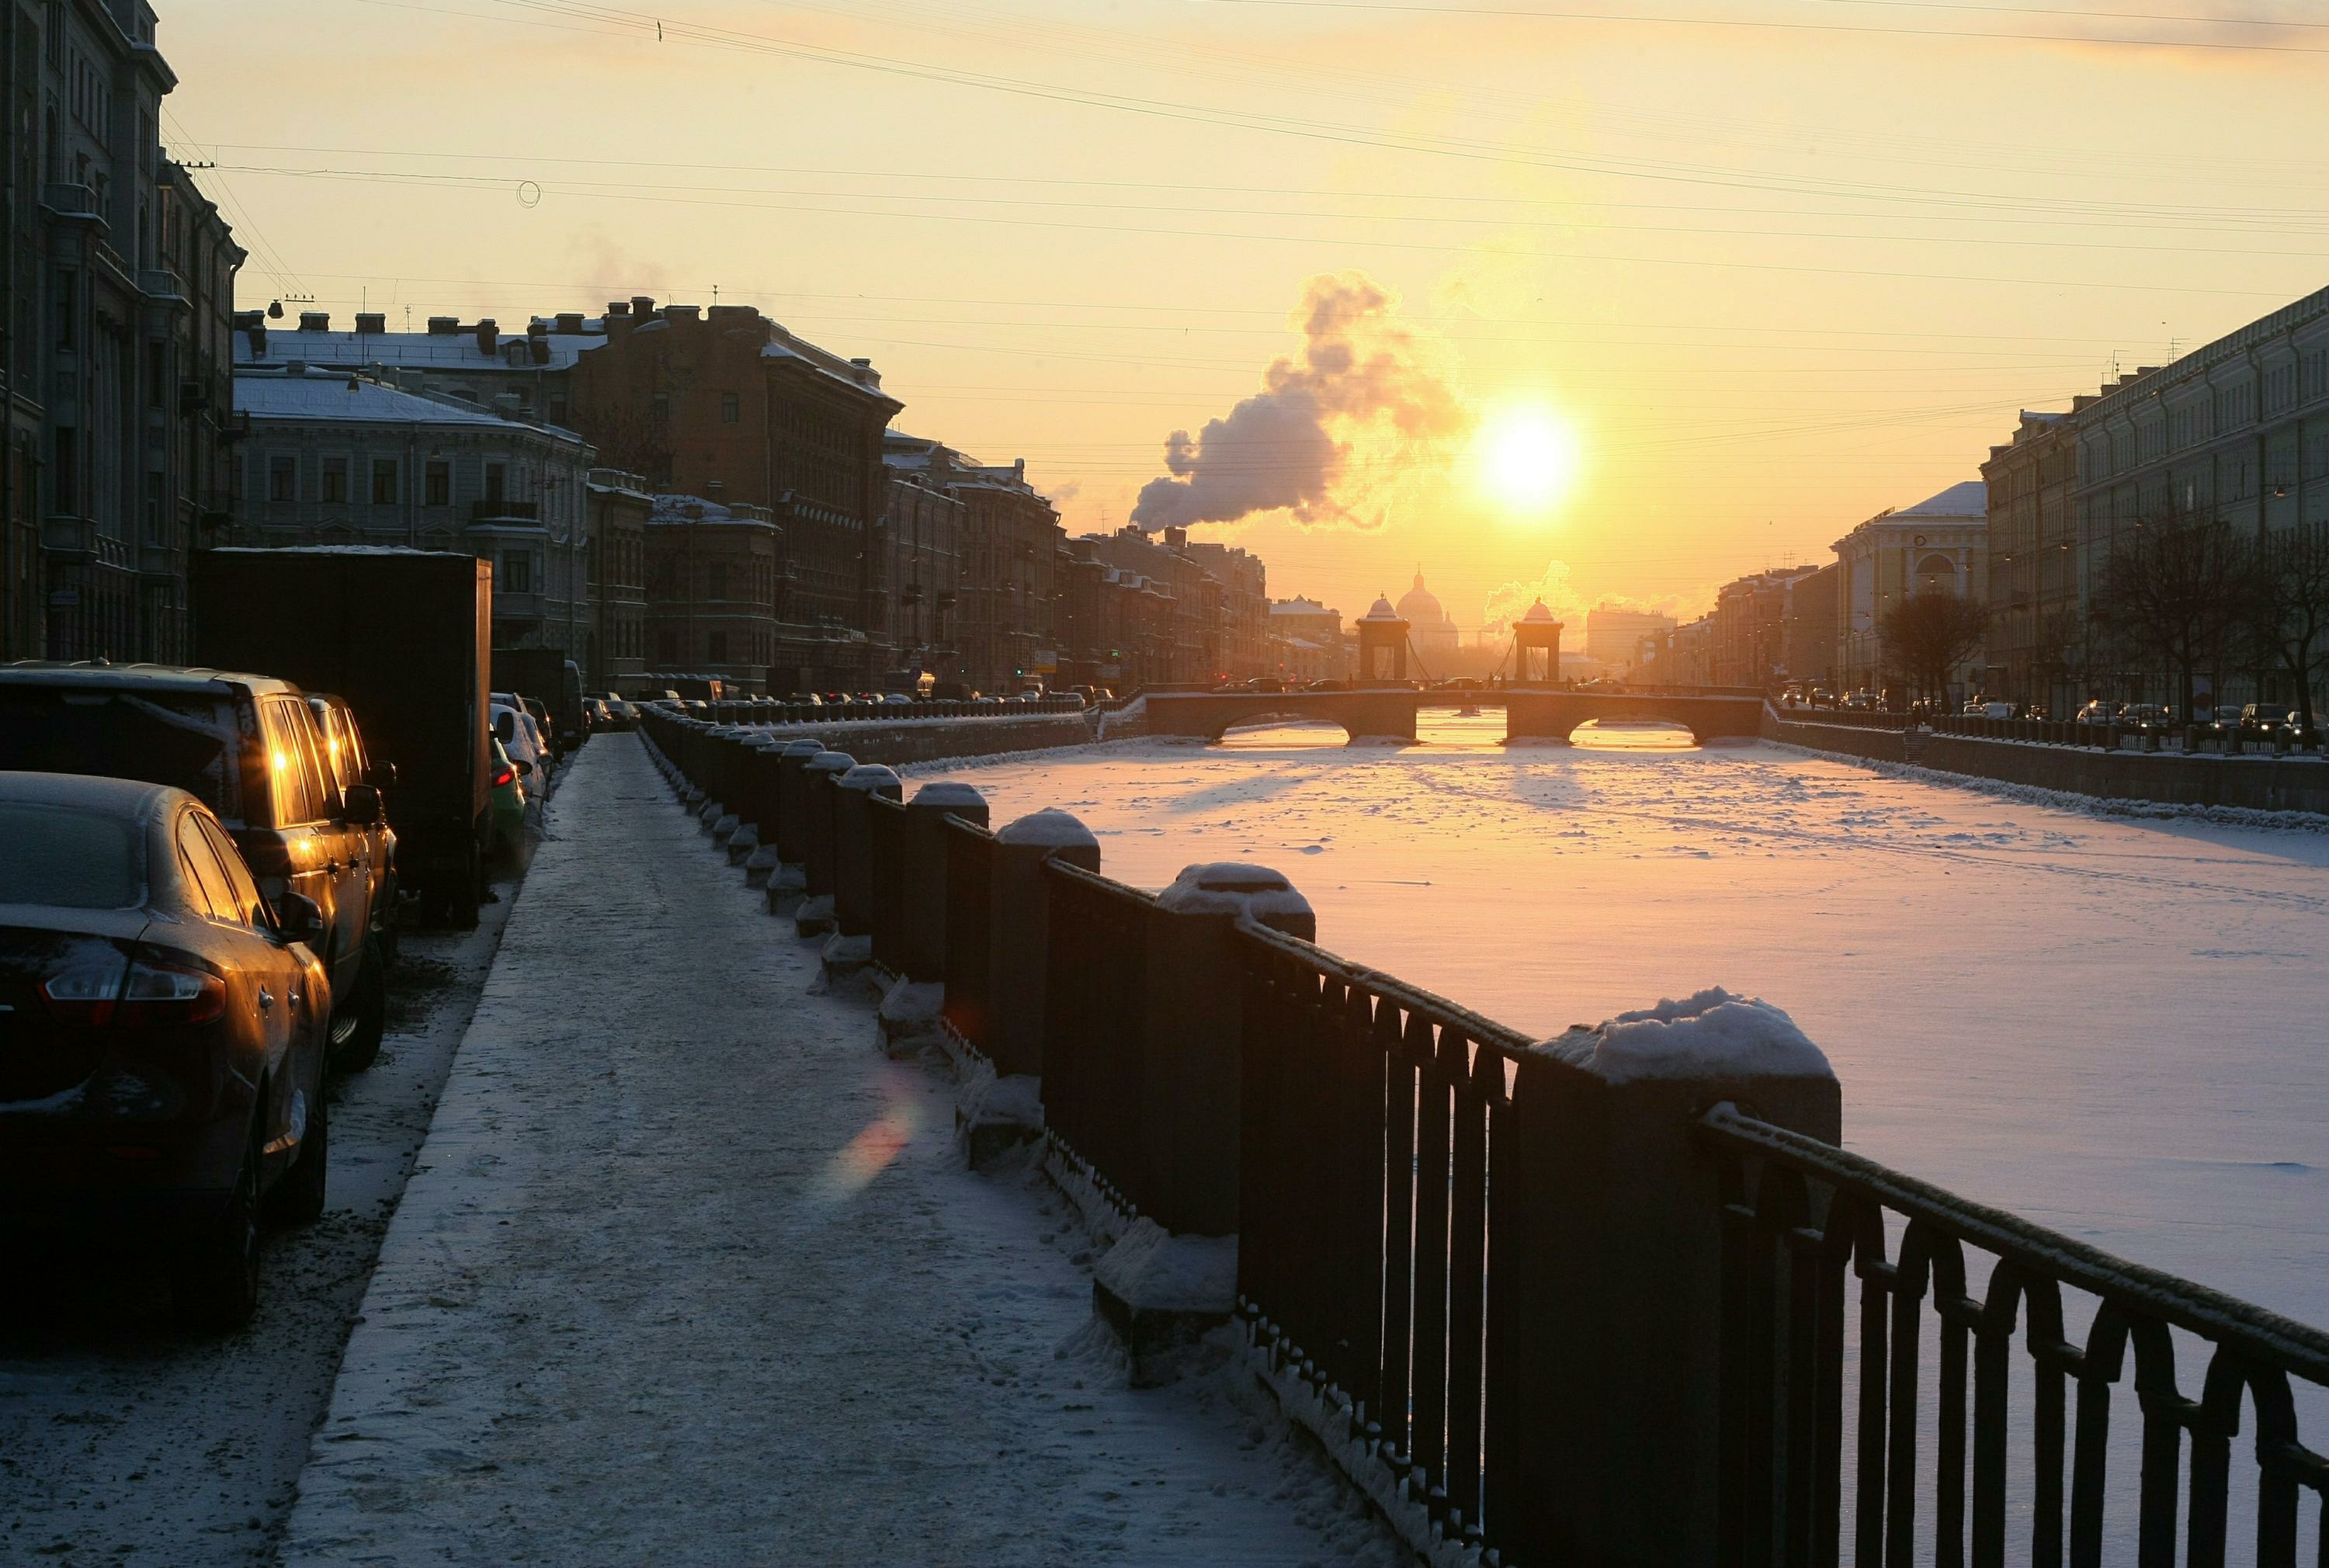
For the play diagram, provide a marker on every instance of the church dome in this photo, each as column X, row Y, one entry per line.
column 1418, row 607
column 1537, row 614
column 1380, row 610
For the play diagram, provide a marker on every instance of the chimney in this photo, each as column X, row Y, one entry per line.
column 538, row 347
column 254, row 327
column 1176, row 539
column 642, row 307
column 569, row 323
column 371, row 322
column 315, row 321
column 862, row 364
column 489, row 333
column 680, row 313
column 295, row 367
column 444, row 326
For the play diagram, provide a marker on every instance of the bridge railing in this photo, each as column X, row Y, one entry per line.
column 1564, row 1311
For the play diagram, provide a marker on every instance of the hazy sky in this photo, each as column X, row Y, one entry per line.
column 1776, row 264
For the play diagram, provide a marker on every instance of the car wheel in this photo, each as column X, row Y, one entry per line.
column 299, row 1197
column 357, row 1029
column 216, row 1288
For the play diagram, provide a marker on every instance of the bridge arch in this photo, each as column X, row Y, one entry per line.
column 1208, row 716
column 1558, row 715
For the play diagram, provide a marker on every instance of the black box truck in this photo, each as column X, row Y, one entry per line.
column 552, row 678
column 404, row 635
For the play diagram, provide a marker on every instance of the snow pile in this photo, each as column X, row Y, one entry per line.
column 1233, row 887
column 1052, row 829
column 946, row 793
column 1155, row 1271
column 870, row 777
column 832, row 762
column 1711, row 1035
column 807, row 745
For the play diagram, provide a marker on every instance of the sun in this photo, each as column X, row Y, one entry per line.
column 1529, row 457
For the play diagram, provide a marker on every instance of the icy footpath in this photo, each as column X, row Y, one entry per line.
column 690, row 1272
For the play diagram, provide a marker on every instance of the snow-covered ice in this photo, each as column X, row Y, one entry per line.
column 2111, row 1025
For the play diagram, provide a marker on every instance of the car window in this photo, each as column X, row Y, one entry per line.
column 206, row 881
column 68, row 857
column 354, row 759
column 291, row 762
column 187, row 738
column 313, row 758
column 244, row 897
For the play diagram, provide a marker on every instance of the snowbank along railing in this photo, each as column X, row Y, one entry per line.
column 1564, row 1309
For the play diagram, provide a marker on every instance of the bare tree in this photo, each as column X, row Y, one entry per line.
column 2172, row 591
column 1928, row 634
column 2284, row 614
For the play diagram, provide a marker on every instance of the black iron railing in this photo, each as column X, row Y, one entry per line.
column 1800, row 1213
column 1372, row 1111
column 969, row 883
column 1095, row 983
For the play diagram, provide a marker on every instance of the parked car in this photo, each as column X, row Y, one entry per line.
column 349, row 765
column 2263, row 720
column 162, row 1083
column 509, row 800
column 1328, row 686
column 1264, row 684
column 246, row 746
column 2097, row 711
column 515, row 728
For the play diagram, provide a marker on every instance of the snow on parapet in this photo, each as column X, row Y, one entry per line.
column 832, row 762
column 947, row 793
column 1233, row 887
column 806, row 746
column 869, row 776
column 1712, row 1035
column 1050, row 828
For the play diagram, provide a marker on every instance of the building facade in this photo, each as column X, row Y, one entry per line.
column 1939, row 543
column 118, row 274
column 1617, row 640
column 1308, row 641
column 339, row 458
column 1007, row 542
column 2036, row 589
column 713, row 581
column 619, row 507
column 923, row 533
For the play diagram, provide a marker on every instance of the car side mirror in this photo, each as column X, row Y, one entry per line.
column 360, row 806
column 380, row 776
column 298, row 919
column 524, row 767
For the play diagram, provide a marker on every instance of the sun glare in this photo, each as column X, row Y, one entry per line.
column 1529, row 457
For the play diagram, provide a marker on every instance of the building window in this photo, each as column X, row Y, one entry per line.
column 67, row 315
column 438, row 480
column 719, row 589
column 517, row 571
column 383, row 481
column 158, row 369
column 68, row 469
column 335, row 481
column 156, row 503
column 496, row 476
column 731, row 408
column 661, row 407
column 282, row 478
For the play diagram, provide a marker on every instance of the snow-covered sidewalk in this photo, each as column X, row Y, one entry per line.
column 691, row 1274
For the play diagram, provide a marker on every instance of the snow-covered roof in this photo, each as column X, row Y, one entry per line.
column 420, row 350
column 337, row 396
column 784, row 344
column 1299, row 607
column 1970, row 499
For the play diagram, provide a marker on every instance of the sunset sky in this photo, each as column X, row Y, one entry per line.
column 1765, row 268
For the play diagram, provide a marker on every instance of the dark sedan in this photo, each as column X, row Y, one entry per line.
column 161, row 1035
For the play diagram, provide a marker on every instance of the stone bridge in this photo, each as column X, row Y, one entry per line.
column 1389, row 713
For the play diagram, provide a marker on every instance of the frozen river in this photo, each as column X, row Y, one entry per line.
column 2117, row 1026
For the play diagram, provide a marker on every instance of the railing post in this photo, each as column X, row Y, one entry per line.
column 1191, row 1064
column 1019, row 931
column 1608, row 1228
column 792, row 798
column 816, row 912
column 853, row 857
column 925, row 857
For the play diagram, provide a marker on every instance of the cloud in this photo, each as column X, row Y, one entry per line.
column 1511, row 601
column 1335, row 434
column 1682, row 606
column 1061, row 494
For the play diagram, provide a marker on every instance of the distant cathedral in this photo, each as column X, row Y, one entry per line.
column 1429, row 628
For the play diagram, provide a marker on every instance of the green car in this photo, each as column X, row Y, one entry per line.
column 509, row 802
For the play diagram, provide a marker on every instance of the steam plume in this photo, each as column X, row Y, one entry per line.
column 1331, row 435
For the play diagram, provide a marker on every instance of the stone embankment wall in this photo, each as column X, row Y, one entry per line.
column 2263, row 783
column 908, row 740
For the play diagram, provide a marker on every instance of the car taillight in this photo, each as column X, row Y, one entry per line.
column 154, row 995
column 147, row 996
column 84, row 995
column 502, row 776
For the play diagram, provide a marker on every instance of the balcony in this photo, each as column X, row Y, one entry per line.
column 66, row 535
column 490, row 511
column 160, row 286
column 157, row 560
column 69, row 200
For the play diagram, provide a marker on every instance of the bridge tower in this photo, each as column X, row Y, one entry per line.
column 1383, row 646
column 1536, row 631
